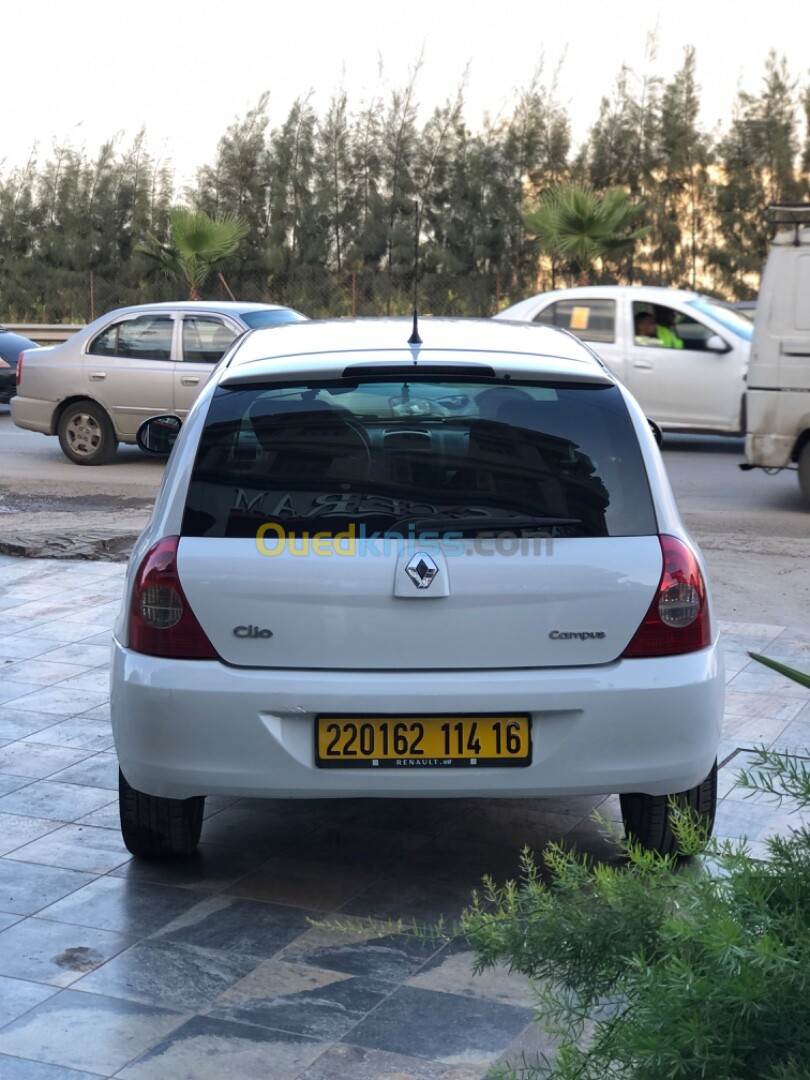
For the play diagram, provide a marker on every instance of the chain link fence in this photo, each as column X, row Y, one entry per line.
column 81, row 296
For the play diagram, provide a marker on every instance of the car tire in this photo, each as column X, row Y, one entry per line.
column 158, row 828
column 86, row 434
column 648, row 818
column 803, row 462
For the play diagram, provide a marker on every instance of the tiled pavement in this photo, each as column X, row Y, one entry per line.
column 211, row 967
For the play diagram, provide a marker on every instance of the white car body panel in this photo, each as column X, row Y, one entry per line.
column 344, row 642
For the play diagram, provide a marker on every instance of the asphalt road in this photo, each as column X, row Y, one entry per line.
column 754, row 529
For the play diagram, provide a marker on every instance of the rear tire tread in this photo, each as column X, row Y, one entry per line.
column 157, row 828
column 648, row 818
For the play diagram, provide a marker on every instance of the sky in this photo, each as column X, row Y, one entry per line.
column 81, row 72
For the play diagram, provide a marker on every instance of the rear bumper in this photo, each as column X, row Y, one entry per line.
column 35, row 414
column 186, row 728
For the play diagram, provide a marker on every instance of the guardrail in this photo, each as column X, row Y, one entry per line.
column 45, row 333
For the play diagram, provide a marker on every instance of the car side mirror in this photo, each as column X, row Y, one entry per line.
column 716, row 344
column 656, row 430
column 158, row 434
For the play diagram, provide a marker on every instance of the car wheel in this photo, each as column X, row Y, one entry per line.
column 158, row 828
column 86, row 434
column 804, row 471
column 648, row 818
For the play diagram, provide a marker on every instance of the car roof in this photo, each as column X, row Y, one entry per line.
column 654, row 294
column 330, row 345
column 235, row 307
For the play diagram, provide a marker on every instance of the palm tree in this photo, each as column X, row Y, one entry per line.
column 197, row 243
column 580, row 226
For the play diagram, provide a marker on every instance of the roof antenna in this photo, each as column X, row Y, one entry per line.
column 414, row 339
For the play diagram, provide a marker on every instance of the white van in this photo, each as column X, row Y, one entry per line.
column 778, row 393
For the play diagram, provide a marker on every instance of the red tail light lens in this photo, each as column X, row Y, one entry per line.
column 161, row 622
column 18, row 377
column 678, row 617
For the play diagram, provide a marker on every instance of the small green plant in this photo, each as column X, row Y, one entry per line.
column 647, row 970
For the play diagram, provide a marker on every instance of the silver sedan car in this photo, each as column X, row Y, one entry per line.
column 96, row 389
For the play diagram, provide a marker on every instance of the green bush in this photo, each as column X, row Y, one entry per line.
column 648, row 970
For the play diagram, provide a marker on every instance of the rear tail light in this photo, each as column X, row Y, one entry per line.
column 19, row 369
column 161, row 622
column 678, row 617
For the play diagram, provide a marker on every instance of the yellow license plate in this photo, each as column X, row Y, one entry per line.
column 384, row 742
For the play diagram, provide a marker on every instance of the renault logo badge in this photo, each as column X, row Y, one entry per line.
column 422, row 570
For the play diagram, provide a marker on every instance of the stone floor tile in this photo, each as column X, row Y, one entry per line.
column 305, row 1000
column 17, row 830
column 793, row 739
column 209, row 1049
column 15, row 724
column 9, row 783
column 451, row 971
column 17, row 996
column 25, row 1069
column 263, row 826
column 159, row 972
column 100, row 771
column 768, row 682
column 15, row 647
column 342, row 1062
column 736, row 819
column 107, row 817
column 125, row 907
column 76, row 847
column 55, row 800
column 292, row 881
column 40, row 672
column 64, row 633
column 338, row 844
column 210, row 869
column 79, row 732
column 96, row 680
column 774, row 706
column 370, row 949
column 26, row 888
column 87, row 1032
column 57, row 700
column 55, row 953
column 11, row 691
column 38, row 760
column 80, row 652
column 443, row 1027
column 246, row 927
column 413, row 899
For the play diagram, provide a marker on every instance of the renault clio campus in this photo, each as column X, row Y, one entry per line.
column 413, row 562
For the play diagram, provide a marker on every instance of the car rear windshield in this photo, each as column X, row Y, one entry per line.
column 257, row 320
column 393, row 456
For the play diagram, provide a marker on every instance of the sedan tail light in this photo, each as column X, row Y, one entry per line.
column 678, row 618
column 19, row 369
column 161, row 622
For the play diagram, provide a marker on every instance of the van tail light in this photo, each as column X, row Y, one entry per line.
column 161, row 622
column 678, row 617
column 18, row 378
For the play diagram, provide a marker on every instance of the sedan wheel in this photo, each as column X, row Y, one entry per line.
column 86, row 434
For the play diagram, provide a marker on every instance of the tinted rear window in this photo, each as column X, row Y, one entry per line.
column 257, row 320
column 560, row 460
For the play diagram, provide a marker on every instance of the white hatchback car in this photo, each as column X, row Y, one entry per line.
column 691, row 377
column 380, row 567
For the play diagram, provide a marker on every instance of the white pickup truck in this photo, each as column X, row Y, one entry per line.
column 778, row 392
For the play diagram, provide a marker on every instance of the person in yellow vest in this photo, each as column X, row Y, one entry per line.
column 651, row 332
column 664, row 332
